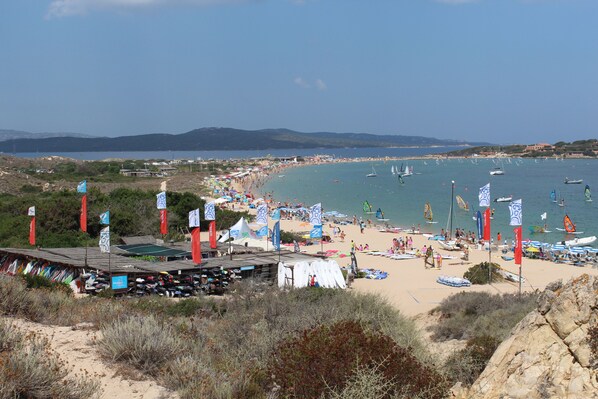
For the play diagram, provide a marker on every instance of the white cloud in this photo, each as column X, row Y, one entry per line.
column 320, row 85
column 299, row 81
column 64, row 8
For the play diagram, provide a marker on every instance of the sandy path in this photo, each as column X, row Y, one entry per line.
column 76, row 348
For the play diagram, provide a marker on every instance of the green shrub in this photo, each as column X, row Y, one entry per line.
column 467, row 364
column 469, row 314
column 478, row 274
column 287, row 237
column 29, row 369
column 143, row 342
column 325, row 357
column 36, row 281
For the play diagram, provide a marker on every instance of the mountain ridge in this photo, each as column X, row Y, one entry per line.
column 222, row 138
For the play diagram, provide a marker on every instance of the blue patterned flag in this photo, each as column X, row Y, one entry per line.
column 82, row 187
column 210, row 211
column 484, row 195
column 276, row 214
column 262, row 214
column 105, row 240
column 263, row 232
column 316, row 232
column 161, row 200
column 480, row 224
column 194, row 218
column 276, row 236
column 516, row 213
column 315, row 214
column 105, row 218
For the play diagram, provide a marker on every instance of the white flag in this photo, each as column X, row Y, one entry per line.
column 315, row 214
column 484, row 195
column 262, row 214
column 31, row 211
column 194, row 218
column 516, row 213
column 543, row 216
column 161, row 200
column 210, row 211
column 105, row 240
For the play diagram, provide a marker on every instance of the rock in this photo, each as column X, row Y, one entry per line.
column 547, row 354
column 83, row 326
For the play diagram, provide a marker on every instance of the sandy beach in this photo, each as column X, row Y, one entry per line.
column 410, row 286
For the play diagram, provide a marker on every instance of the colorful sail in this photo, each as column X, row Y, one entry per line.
column 553, row 195
column 379, row 214
column 569, row 226
column 428, row 215
column 367, row 207
column 587, row 193
column 462, row 204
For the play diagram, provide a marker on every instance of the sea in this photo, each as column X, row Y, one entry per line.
column 344, row 187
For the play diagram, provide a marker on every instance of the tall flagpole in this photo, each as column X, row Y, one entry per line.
column 489, row 250
column 451, row 219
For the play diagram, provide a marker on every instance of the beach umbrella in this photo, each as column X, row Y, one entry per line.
column 532, row 249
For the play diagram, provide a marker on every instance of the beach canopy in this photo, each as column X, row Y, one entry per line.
column 240, row 230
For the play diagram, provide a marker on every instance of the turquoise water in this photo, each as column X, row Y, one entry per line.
column 344, row 187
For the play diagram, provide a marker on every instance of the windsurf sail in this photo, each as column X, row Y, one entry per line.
column 379, row 214
column 569, row 226
column 462, row 204
column 401, row 179
column 587, row 193
column 367, row 207
column 553, row 195
column 428, row 215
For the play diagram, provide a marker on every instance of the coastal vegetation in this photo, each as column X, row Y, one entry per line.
column 240, row 347
column 576, row 149
column 132, row 211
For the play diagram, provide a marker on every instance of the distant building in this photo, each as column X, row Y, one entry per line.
column 538, row 147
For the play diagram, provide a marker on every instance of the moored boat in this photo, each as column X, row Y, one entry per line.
column 578, row 181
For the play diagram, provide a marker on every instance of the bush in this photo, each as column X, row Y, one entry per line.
column 469, row 314
column 287, row 237
column 29, row 369
column 143, row 342
column 478, row 274
column 593, row 342
column 35, row 281
column 325, row 357
column 467, row 364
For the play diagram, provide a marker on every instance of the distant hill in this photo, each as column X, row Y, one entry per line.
column 18, row 134
column 212, row 138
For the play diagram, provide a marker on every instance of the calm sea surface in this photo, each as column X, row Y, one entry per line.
column 168, row 155
column 344, row 187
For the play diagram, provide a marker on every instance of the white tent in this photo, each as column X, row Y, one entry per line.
column 240, row 230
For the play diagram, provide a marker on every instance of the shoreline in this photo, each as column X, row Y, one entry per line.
column 411, row 286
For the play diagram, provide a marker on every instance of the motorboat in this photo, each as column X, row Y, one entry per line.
column 578, row 241
column 578, row 181
column 504, row 199
column 497, row 172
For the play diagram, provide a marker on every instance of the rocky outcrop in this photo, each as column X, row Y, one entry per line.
column 547, row 354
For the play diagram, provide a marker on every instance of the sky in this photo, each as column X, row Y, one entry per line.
column 501, row 71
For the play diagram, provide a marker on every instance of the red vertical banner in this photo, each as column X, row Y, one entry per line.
column 32, row 231
column 195, row 246
column 163, row 221
column 518, row 249
column 487, row 225
column 83, row 217
column 213, row 243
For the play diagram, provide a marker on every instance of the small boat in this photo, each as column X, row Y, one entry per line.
column 504, row 199
column 497, row 171
column 448, row 245
column 567, row 181
column 428, row 215
column 562, row 203
column 507, row 258
column 373, row 174
column 380, row 216
column 462, row 204
column 587, row 194
column 578, row 241
column 280, row 175
column 408, row 171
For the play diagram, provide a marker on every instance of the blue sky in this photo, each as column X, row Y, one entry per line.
column 502, row 71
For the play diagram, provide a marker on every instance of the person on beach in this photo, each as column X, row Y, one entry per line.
column 342, row 235
column 352, row 246
column 438, row 260
column 361, row 227
column 429, row 258
column 498, row 238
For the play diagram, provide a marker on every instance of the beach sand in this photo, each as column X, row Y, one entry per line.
column 410, row 286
